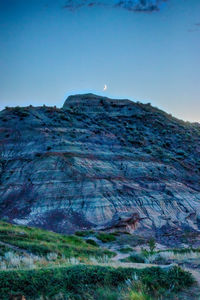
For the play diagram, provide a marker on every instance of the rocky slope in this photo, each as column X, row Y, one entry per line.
column 100, row 163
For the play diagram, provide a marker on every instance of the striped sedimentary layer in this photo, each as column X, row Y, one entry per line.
column 99, row 163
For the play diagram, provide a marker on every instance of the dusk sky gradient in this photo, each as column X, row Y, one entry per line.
column 49, row 51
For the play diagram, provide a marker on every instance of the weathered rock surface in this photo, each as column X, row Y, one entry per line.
column 95, row 159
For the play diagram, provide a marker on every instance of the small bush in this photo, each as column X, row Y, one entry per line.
column 152, row 245
column 106, row 237
column 126, row 250
column 160, row 260
column 145, row 253
column 158, row 279
column 84, row 233
column 92, row 242
column 135, row 258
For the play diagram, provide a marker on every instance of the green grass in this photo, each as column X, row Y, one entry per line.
column 50, row 282
column 80, row 281
column 138, row 296
column 41, row 242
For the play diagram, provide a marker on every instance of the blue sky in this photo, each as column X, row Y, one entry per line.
column 50, row 49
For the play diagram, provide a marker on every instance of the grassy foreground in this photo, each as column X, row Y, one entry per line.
column 83, row 281
column 39, row 265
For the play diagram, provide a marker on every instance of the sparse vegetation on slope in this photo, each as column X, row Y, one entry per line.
column 38, row 242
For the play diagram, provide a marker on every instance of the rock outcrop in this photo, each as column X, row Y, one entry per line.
column 95, row 159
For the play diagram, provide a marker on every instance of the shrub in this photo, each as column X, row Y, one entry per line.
column 145, row 253
column 159, row 279
column 92, row 242
column 135, row 258
column 106, row 237
column 84, row 233
column 78, row 280
column 106, row 293
column 126, row 250
column 49, row 282
column 159, row 260
column 179, row 278
column 152, row 245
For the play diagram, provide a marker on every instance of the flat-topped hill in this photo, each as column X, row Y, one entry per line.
column 100, row 163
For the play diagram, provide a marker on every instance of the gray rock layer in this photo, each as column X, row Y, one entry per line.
column 99, row 163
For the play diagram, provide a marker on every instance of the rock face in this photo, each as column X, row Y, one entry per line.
column 99, row 163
